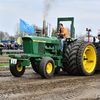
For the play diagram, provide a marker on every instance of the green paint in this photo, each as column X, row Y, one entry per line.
column 25, row 63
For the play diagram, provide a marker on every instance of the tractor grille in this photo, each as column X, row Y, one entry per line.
column 26, row 40
column 41, row 48
column 27, row 45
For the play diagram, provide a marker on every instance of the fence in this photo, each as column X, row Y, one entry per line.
column 12, row 51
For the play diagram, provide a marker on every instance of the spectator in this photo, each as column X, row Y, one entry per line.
column 21, row 46
column 16, row 46
column 99, row 37
column 6, row 45
column 9, row 46
column 13, row 46
column 1, row 48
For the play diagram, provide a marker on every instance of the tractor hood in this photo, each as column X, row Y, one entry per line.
column 53, row 40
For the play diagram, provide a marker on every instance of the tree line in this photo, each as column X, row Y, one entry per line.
column 18, row 33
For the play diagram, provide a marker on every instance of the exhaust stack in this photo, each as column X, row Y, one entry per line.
column 44, row 24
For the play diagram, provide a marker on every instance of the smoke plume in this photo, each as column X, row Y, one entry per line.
column 47, row 6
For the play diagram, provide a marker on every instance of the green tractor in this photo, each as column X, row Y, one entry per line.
column 46, row 58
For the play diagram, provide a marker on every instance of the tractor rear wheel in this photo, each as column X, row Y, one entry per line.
column 35, row 67
column 66, row 64
column 17, row 70
column 87, row 59
column 47, row 67
column 80, row 58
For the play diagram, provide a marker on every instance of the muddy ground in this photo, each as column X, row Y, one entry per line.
column 32, row 86
column 4, row 59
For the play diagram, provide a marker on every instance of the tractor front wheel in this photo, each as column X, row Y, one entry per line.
column 17, row 70
column 47, row 67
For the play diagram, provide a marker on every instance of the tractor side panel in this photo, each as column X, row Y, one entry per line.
column 27, row 45
column 35, row 47
column 41, row 48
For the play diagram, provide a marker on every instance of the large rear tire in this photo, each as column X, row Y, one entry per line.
column 66, row 64
column 17, row 70
column 87, row 59
column 80, row 58
column 47, row 67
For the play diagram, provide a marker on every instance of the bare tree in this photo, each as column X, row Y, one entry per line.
column 19, row 33
column 1, row 35
column 11, row 38
column 54, row 32
column 6, row 36
column 16, row 28
column 36, row 28
column 81, row 36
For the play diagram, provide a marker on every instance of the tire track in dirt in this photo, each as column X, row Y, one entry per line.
column 4, row 59
column 61, row 87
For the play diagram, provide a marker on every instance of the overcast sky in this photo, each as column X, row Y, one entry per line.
column 86, row 13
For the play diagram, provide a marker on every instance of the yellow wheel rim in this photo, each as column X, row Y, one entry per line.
column 89, row 59
column 19, row 68
column 49, row 68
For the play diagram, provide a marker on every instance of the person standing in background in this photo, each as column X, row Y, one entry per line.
column 1, row 48
column 99, row 37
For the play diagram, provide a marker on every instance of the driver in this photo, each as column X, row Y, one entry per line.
column 62, row 35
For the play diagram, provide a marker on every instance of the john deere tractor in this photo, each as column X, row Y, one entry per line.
column 46, row 58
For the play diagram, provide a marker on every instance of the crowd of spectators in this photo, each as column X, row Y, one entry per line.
column 10, row 46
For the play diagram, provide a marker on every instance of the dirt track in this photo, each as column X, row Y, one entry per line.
column 61, row 87
column 4, row 59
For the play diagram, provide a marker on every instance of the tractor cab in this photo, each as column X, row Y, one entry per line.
column 71, row 19
column 72, row 33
